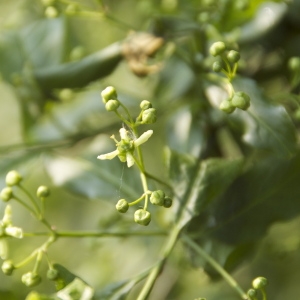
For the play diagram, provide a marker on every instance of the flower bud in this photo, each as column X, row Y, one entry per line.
column 31, row 279
column 6, row 221
column 13, row 178
column 7, row 267
column 109, row 93
column 122, row 206
column 51, row 12
column 294, row 63
column 66, row 95
column 233, row 56
column 217, row 48
column 217, row 66
column 227, row 106
column 259, row 283
column 241, row 100
column 145, row 104
column 252, row 294
column 142, row 217
column 6, row 194
column 112, row 105
column 43, row 191
column 13, row 231
column 168, row 202
column 149, row 116
column 157, row 198
column 52, row 274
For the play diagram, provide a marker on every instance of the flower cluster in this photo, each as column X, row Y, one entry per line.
column 127, row 150
column 227, row 63
column 7, row 229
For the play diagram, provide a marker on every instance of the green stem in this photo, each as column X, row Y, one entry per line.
column 137, row 200
column 86, row 234
column 25, row 205
column 216, row 266
column 158, row 180
column 38, row 211
column 156, row 270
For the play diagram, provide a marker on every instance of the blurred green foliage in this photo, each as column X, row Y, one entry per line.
column 234, row 178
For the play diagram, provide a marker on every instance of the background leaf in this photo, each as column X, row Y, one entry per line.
column 265, row 126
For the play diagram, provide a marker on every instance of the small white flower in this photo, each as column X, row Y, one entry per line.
column 126, row 146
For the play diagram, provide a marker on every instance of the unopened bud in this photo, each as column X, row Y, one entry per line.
column 142, row 217
column 149, row 116
column 217, row 48
column 122, row 206
column 112, row 105
column 109, row 93
column 13, row 178
column 157, row 197
column 6, row 194
column 43, row 191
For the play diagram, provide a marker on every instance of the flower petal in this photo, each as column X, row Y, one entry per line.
column 109, row 155
column 130, row 159
column 143, row 138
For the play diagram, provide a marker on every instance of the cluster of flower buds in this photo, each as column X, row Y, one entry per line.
column 238, row 100
column 112, row 103
column 7, row 229
column 227, row 63
column 258, row 284
column 142, row 216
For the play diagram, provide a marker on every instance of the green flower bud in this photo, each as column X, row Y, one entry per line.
column 52, row 274
column 6, row 221
column 168, row 202
column 6, row 194
column 226, row 106
column 217, row 48
column 149, row 116
column 109, row 93
column 31, row 279
column 7, row 267
column 157, row 197
column 233, row 56
column 145, row 104
column 241, row 100
column 142, row 217
column 217, row 66
column 294, row 63
column 122, row 206
column 13, row 178
column 78, row 52
column 43, row 191
column 66, row 95
column 51, row 12
column 259, row 283
column 112, row 105
column 71, row 9
column 252, row 294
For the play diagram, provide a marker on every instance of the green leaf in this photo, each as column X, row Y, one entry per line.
column 119, row 290
column 267, row 17
column 80, row 73
column 198, row 187
column 265, row 126
column 43, row 42
column 11, row 55
column 267, row 193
